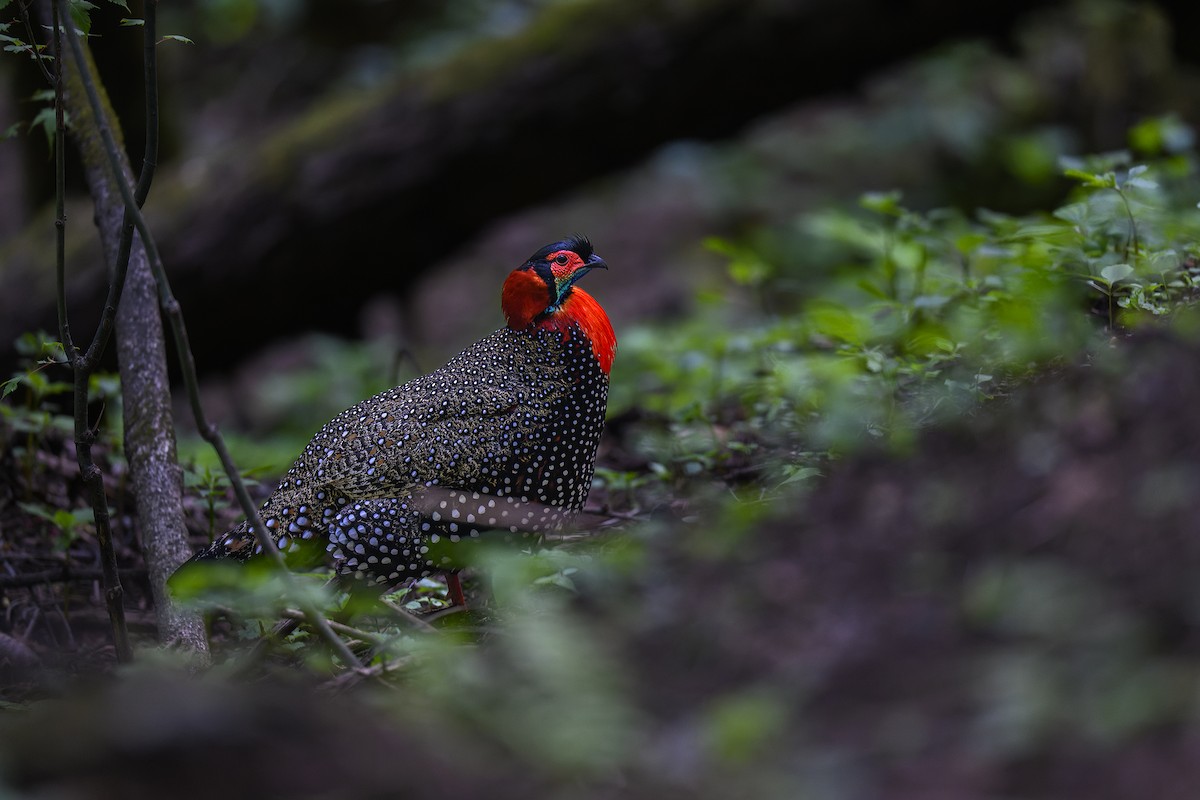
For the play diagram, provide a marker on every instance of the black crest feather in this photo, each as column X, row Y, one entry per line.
column 578, row 244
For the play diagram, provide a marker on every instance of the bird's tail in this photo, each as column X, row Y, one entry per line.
column 238, row 544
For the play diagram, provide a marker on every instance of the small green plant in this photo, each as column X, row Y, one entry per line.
column 37, row 352
column 213, row 488
column 71, row 524
column 29, row 413
column 422, row 596
column 622, row 485
column 1124, row 254
column 33, row 400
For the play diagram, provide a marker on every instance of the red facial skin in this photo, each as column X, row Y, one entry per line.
column 525, row 297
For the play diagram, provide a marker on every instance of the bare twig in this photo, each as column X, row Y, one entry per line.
column 341, row 628
column 292, row 619
column 248, row 660
column 609, row 515
column 63, row 574
column 174, row 313
column 348, row 679
column 37, row 56
column 60, row 212
column 407, row 617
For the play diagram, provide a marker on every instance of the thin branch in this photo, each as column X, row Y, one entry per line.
column 149, row 162
column 81, row 369
column 187, row 362
column 610, row 515
column 407, row 617
column 37, row 56
column 343, row 629
column 251, row 659
column 150, row 72
column 60, row 213
column 63, row 574
column 347, row 680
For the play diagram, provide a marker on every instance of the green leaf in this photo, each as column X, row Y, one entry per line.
column 930, row 301
column 45, row 119
column 129, row 22
column 798, row 474
column 37, row 510
column 882, row 202
column 176, row 38
column 10, row 386
column 871, row 288
column 120, row 3
column 1107, row 180
column 81, row 14
column 1116, row 272
column 749, row 271
column 836, row 322
column 723, row 246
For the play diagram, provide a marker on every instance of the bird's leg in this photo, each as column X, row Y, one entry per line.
column 454, row 588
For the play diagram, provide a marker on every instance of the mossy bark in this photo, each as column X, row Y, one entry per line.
column 141, row 353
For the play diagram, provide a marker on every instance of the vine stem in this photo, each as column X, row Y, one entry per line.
column 81, row 370
column 174, row 313
column 1133, row 232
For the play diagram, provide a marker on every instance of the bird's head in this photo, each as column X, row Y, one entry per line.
column 541, row 293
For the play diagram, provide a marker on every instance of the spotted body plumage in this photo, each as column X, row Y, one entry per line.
column 502, row 438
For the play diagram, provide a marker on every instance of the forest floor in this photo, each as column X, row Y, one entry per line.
column 1011, row 609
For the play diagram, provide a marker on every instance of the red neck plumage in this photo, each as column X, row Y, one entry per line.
column 523, row 301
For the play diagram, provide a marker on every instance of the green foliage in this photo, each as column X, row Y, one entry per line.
column 926, row 314
column 255, row 589
column 33, row 398
column 13, row 44
column 80, row 12
column 213, row 487
column 70, row 525
column 32, row 421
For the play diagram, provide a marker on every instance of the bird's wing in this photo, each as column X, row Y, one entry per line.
column 420, row 433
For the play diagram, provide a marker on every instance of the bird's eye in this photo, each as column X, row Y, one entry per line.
column 560, row 259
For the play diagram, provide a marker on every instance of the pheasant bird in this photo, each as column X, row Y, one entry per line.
column 501, row 438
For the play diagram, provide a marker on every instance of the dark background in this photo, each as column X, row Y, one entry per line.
column 320, row 161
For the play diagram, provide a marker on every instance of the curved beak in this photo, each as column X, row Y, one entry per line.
column 564, row 285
